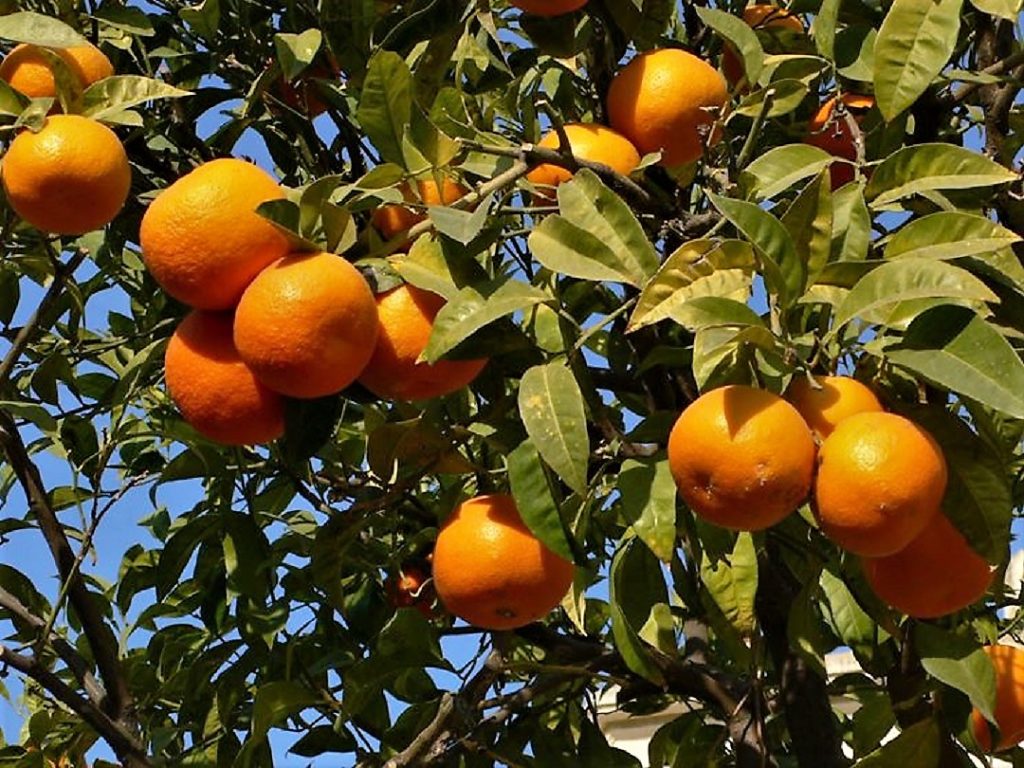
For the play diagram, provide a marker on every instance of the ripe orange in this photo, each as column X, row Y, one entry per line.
column 838, row 398
column 69, row 178
column 393, row 219
column 934, row 575
column 202, row 239
column 742, row 458
column 548, row 7
column 1008, row 661
column 214, row 390
column 834, row 135
column 759, row 16
column 307, row 325
column 667, row 100
column 406, row 315
column 26, row 69
column 491, row 571
column 880, row 481
column 588, row 141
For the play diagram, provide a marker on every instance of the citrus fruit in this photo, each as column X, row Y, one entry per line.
column 393, row 219
column 936, row 574
column 304, row 94
column 202, row 239
column 307, row 325
column 742, row 458
column 27, row 70
column 831, row 133
column 667, row 100
column 69, row 178
column 836, row 398
column 1008, row 661
column 491, row 571
column 406, row 316
column 548, row 7
column 214, row 390
column 880, row 481
column 411, row 587
column 588, row 141
column 758, row 17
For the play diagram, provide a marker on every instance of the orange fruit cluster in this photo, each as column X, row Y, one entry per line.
column 491, row 571
column 268, row 323
column 744, row 459
column 393, row 219
column 72, row 176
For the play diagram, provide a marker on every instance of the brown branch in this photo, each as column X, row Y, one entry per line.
column 127, row 747
column 535, row 155
column 101, row 639
column 426, row 738
column 998, row 68
column 45, row 304
column 76, row 663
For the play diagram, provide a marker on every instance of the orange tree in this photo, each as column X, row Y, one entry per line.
column 823, row 247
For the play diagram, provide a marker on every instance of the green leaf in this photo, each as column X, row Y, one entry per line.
column 732, row 583
column 35, row 28
column 634, row 589
column 978, row 497
column 809, row 223
column 12, row 103
column 276, row 701
column 804, row 627
column 204, row 18
column 699, row 268
column 551, row 407
column 472, row 308
column 597, row 237
column 385, row 104
column 899, row 281
column 1006, row 9
column 957, row 234
column 649, row 503
column 956, row 349
column 535, row 501
column 917, row 745
column 785, row 95
column 113, row 95
column 929, row 167
column 915, row 41
column 738, row 33
column 772, row 240
column 958, row 661
column 824, row 28
column 780, row 168
column 855, row 52
column 246, row 555
column 461, row 226
column 851, row 623
column 851, row 224
column 296, row 52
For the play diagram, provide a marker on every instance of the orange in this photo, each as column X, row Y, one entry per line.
column 202, row 239
column 27, row 70
column 588, row 141
column 667, row 100
column 393, row 219
column 406, row 315
column 936, row 574
column 838, row 397
column 1008, row 661
column 214, row 390
column 833, row 135
column 411, row 588
column 548, row 7
column 880, row 481
column 307, row 325
column 69, row 178
column 491, row 571
column 742, row 458
column 759, row 16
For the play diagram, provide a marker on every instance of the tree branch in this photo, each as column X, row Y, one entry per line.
column 102, row 641
column 76, row 663
column 127, row 747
